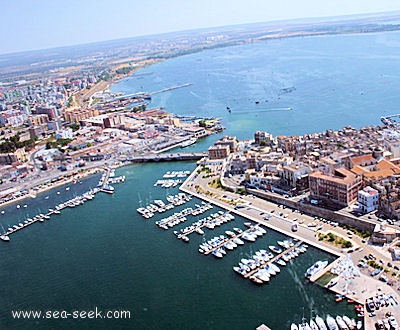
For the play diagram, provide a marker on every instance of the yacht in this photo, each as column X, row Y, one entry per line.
column 351, row 323
column 320, row 322
column 188, row 142
column 217, row 253
column 313, row 325
column 294, row 327
column 275, row 249
column 304, row 325
column 332, row 325
column 275, row 267
column 5, row 238
column 256, row 279
column 199, row 231
column 248, row 237
column 342, row 324
column 238, row 241
column 269, row 269
column 263, row 275
column 230, row 233
column 315, row 268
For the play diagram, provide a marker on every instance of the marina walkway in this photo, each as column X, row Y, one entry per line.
column 276, row 257
column 230, row 239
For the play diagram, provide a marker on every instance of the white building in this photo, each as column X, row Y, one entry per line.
column 368, row 199
column 65, row 134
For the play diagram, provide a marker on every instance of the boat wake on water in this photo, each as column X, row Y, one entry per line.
column 299, row 285
column 260, row 110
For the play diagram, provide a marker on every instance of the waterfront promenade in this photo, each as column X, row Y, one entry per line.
column 358, row 288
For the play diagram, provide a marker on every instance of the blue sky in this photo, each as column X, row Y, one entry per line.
column 38, row 24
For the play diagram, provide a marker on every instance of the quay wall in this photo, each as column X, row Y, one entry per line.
column 163, row 158
column 340, row 217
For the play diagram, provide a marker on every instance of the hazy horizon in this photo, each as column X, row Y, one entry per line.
column 46, row 24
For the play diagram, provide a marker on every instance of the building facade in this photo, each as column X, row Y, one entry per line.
column 340, row 187
column 368, row 199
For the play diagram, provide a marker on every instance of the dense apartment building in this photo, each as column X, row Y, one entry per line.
column 79, row 115
column 38, row 120
column 9, row 158
column 218, row 152
column 263, row 138
column 341, row 186
column 296, row 175
column 229, row 141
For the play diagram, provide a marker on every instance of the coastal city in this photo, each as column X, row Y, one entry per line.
column 68, row 138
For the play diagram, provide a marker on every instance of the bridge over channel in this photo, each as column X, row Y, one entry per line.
column 181, row 156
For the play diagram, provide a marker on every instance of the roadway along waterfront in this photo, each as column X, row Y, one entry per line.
column 257, row 209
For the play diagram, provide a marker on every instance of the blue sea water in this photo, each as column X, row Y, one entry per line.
column 104, row 254
column 328, row 82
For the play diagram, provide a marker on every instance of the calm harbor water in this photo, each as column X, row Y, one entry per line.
column 103, row 254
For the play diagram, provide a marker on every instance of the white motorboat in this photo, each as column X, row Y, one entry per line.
column 330, row 321
column 351, row 323
column 320, row 322
column 275, row 249
column 342, row 324
column 315, row 268
column 5, row 238
column 313, row 325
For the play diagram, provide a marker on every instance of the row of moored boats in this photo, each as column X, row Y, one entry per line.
column 180, row 217
column 42, row 217
column 330, row 323
column 210, row 222
column 260, row 267
column 159, row 206
column 218, row 245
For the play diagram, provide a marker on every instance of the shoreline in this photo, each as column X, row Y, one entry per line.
column 43, row 187
column 358, row 288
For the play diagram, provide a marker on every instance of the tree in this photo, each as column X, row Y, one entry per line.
column 74, row 126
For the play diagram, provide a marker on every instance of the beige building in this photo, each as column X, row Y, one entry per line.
column 18, row 156
column 384, row 234
column 229, row 141
column 296, row 175
column 38, row 120
column 341, row 186
column 78, row 115
column 218, row 152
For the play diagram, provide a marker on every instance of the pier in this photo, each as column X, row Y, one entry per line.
column 279, row 255
column 180, row 217
column 170, row 157
column 145, row 95
column 89, row 195
column 170, row 89
column 205, row 224
column 230, row 239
